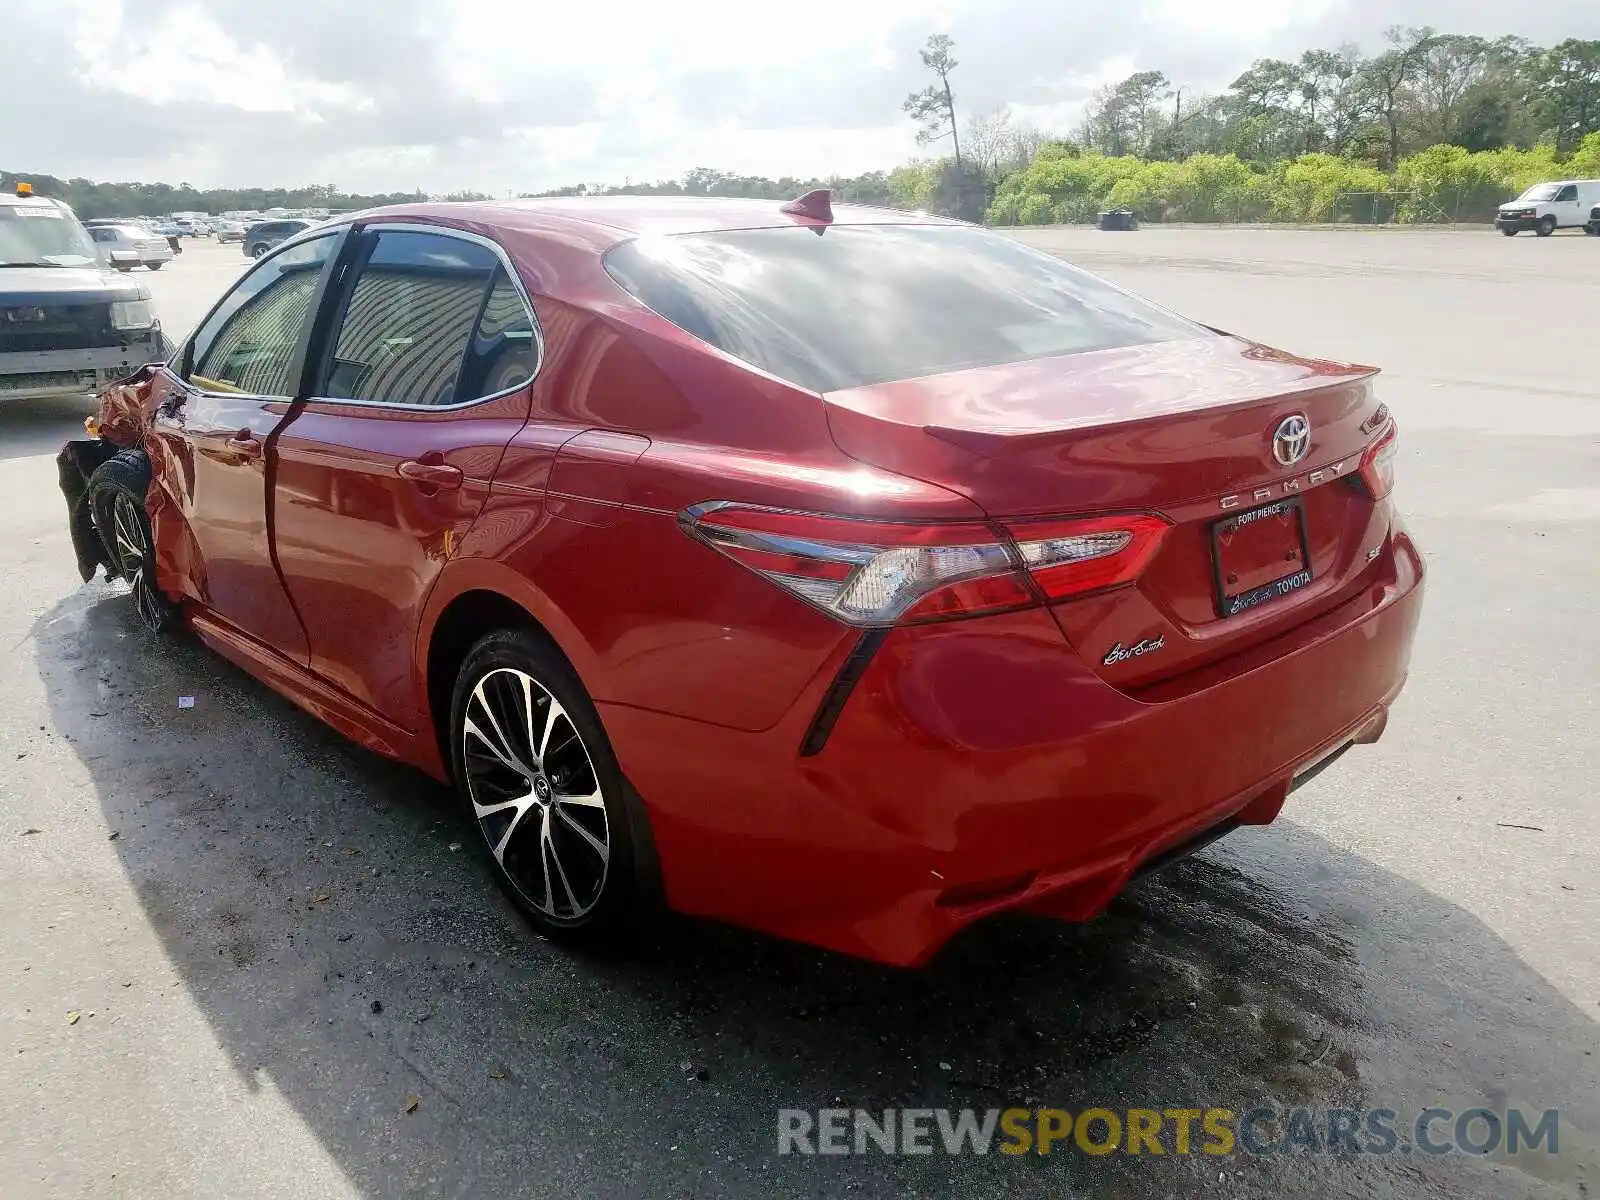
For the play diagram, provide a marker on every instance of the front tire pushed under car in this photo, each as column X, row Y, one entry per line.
column 539, row 782
column 116, row 502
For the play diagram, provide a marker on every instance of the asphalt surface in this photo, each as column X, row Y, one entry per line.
column 273, row 945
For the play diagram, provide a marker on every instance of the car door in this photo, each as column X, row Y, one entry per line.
column 423, row 379
column 1566, row 206
column 103, row 240
column 212, row 431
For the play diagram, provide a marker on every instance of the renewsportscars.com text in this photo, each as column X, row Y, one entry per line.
column 1180, row 1131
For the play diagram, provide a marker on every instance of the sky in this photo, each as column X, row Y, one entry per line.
column 501, row 97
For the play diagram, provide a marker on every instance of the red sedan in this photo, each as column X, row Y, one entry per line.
column 843, row 573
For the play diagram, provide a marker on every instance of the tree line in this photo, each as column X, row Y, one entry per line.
column 1432, row 126
column 1423, row 88
column 90, row 199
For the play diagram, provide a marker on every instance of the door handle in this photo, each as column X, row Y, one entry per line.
column 245, row 444
column 434, row 475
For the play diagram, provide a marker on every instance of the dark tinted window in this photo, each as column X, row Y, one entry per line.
column 413, row 309
column 1570, row 192
column 503, row 352
column 248, row 343
column 867, row 304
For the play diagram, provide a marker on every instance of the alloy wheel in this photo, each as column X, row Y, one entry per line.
column 133, row 559
column 535, row 794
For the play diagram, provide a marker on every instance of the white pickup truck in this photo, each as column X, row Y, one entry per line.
column 68, row 325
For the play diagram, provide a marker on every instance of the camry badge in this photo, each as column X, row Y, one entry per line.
column 1291, row 441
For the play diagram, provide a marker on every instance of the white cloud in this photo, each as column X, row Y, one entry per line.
column 501, row 95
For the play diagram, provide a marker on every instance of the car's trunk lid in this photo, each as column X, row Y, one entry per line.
column 1184, row 429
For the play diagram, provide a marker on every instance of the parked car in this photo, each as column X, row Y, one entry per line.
column 844, row 573
column 261, row 237
column 125, row 247
column 171, row 232
column 68, row 327
column 1546, row 207
column 228, row 231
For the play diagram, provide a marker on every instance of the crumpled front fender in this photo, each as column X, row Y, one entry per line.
column 127, row 406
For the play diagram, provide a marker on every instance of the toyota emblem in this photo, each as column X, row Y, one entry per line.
column 1291, row 441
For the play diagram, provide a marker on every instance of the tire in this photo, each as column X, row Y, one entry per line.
column 1592, row 230
column 154, row 266
column 595, row 894
column 116, row 501
column 124, row 270
column 1509, row 230
column 1547, row 226
column 257, row 250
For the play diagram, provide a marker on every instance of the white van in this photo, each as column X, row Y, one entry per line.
column 1547, row 207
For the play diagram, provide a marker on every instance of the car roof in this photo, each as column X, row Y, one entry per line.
column 625, row 217
column 29, row 201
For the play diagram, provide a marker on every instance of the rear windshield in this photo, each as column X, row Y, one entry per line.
column 848, row 306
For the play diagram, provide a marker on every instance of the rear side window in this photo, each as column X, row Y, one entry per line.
column 867, row 304
column 430, row 319
column 503, row 352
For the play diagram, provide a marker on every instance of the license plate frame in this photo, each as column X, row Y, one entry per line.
column 1274, row 589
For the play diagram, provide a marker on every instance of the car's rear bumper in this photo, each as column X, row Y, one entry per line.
column 981, row 765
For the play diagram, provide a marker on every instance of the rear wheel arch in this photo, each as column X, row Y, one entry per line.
column 455, row 632
column 460, row 626
column 474, row 597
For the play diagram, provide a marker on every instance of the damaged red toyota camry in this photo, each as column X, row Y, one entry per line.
column 843, row 573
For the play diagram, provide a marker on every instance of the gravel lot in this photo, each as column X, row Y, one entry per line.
column 274, row 945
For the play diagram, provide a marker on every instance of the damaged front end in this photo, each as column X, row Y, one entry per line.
column 120, row 424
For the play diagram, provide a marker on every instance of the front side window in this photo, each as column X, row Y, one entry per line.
column 430, row 319
column 248, row 344
column 867, row 304
column 1570, row 192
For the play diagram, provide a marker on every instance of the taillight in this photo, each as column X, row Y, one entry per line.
column 877, row 573
column 1377, row 462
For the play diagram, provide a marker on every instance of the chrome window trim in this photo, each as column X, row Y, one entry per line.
column 186, row 348
column 516, row 281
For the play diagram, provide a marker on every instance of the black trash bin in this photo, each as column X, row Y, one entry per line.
column 1118, row 219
